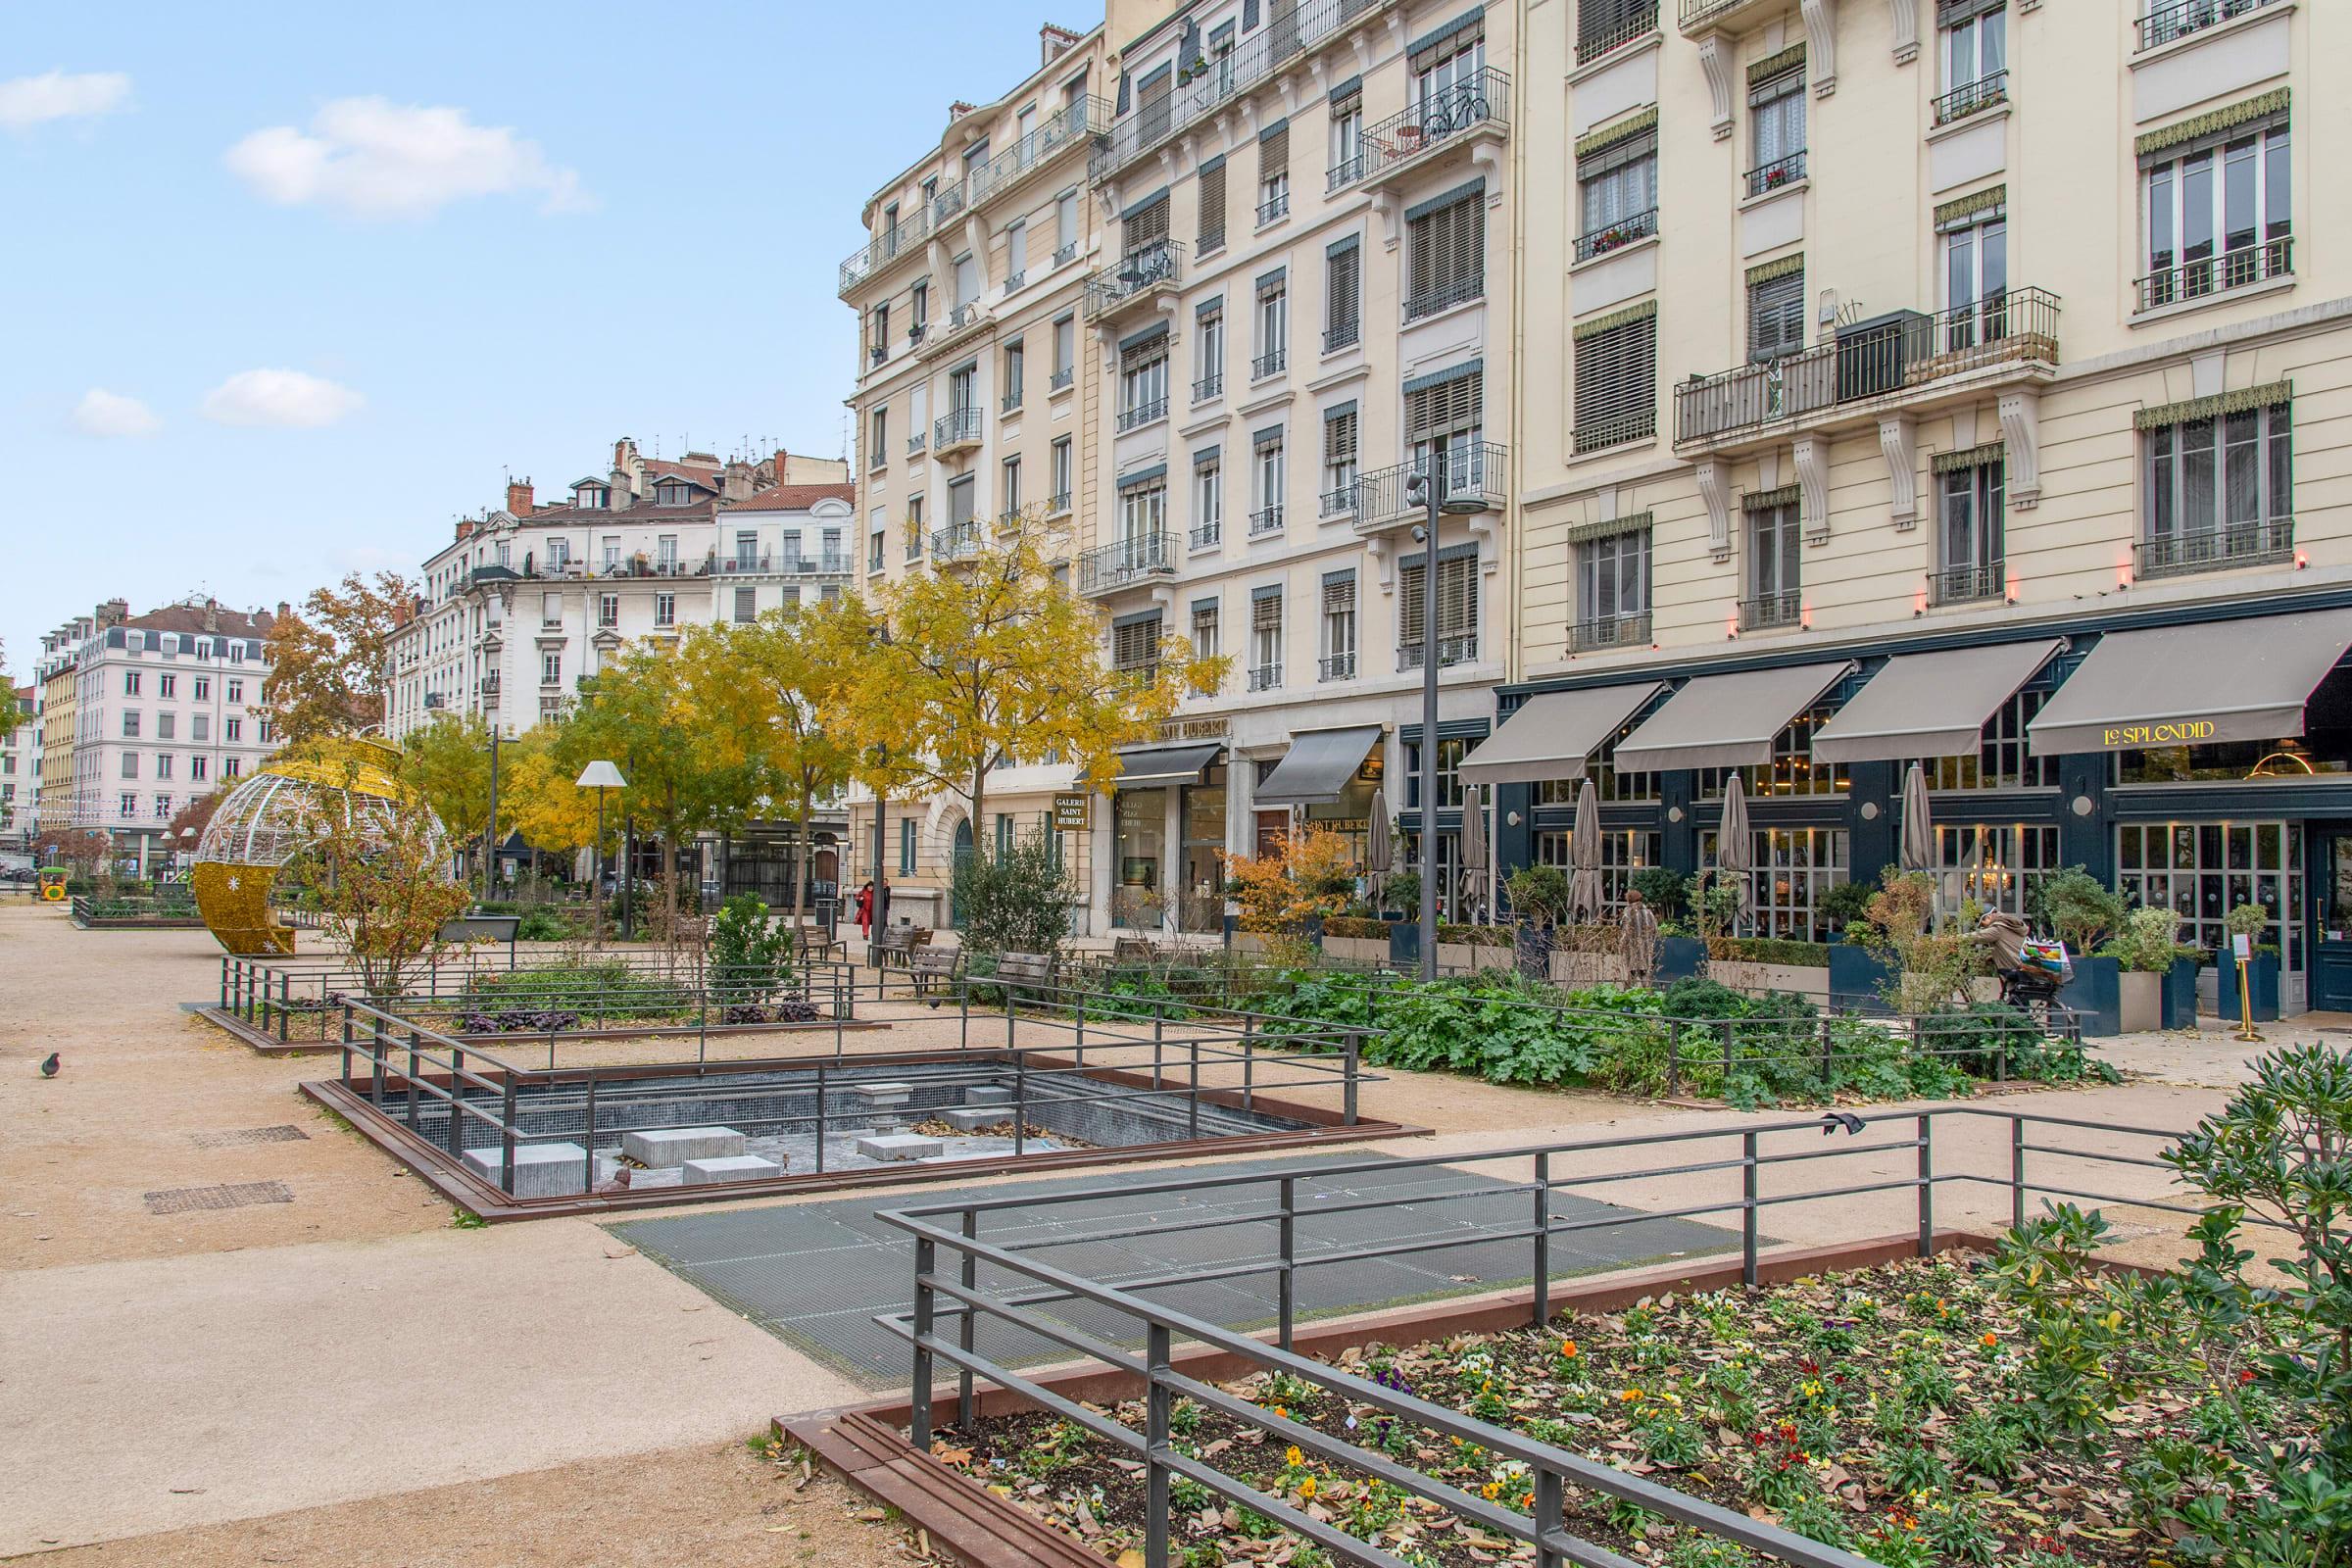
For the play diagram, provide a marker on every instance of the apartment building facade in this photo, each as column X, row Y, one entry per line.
column 1949, row 381
column 19, row 770
column 56, row 684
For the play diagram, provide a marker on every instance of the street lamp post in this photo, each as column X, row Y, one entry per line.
column 1422, row 490
column 600, row 776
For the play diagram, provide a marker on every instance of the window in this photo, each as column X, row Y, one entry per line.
column 1003, row 834
column 1135, row 645
column 1347, row 139
column 1617, row 194
column 551, row 662
column 204, row 688
column 612, row 541
column 198, row 767
column 1447, row 76
column 1339, row 461
column 1450, row 752
column 607, row 610
column 1155, row 105
column 2220, row 488
column 1208, row 352
column 233, row 730
column 131, row 765
column 1976, row 273
column 914, row 527
column 1273, row 172
column 551, row 614
column 1016, row 254
column 166, row 685
column 231, row 767
column 1143, row 515
column 129, row 805
column 1775, row 111
column 1457, row 608
column 1975, row 71
column 1775, row 311
column 130, row 724
column 1143, row 381
column 1338, row 630
column 1343, row 295
column 1445, row 254
column 665, row 609
column 1065, row 229
column 559, row 553
column 130, row 683
column 1145, row 228
column 2201, row 870
column 1443, row 432
column 1605, row 24
column 200, row 727
column 1273, row 326
column 1265, row 639
column 874, row 543
column 906, row 846
column 1616, row 382
column 1270, row 473
column 919, row 308
column 1206, row 631
column 163, row 764
column 878, row 334
column 1209, row 500
column 1969, row 512
column 1016, row 373
column 1793, row 869
column 964, row 498
column 166, row 723
column 968, row 283
column 1773, row 542
column 1612, row 590
column 1059, row 462
column 747, row 550
column 1008, row 486
column 747, row 604
column 1212, row 206
column 2219, row 214
column 877, row 442
column 1065, row 351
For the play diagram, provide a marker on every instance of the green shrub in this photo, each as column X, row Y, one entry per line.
column 751, row 955
column 1770, row 950
column 2079, row 906
column 1539, row 893
column 1342, row 925
column 1015, row 902
column 1663, row 888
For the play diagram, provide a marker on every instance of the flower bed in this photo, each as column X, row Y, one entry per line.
column 1927, row 1414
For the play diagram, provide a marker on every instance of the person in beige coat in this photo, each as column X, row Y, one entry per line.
column 1637, row 937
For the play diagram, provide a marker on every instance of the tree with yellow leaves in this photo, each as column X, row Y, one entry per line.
column 327, row 660
column 538, row 797
column 986, row 660
column 1308, row 874
column 447, row 762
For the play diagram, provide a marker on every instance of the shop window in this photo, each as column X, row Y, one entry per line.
column 2002, row 760
column 1623, row 852
column 1793, row 770
column 2201, row 870
column 1793, row 869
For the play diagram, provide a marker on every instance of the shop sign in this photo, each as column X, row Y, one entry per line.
column 2170, row 732
column 1070, row 812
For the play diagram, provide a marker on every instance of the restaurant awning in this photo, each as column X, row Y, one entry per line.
column 1726, row 720
column 1315, row 771
column 1929, row 704
column 1148, row 767
column 1552, row 735
column 2218, row 680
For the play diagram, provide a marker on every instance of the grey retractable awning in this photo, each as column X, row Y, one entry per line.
column 1315, row 771
column 2222, row 680
column 1726, row 720
column 1552, row 735
column 1928, row 705
column 1143, row 767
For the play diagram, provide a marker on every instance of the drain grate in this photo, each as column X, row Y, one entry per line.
column 235, row 1137
column 233, row 1194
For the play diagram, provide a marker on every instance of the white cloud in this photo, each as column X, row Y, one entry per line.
column 281, row 398
column 374, row 159
column 28, row 101
column 101, row 413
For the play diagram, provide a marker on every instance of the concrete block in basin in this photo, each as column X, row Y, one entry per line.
column 900, row 1146
column 730, row 1169
column 876, row 1096
column 674, row 1145
column 988, row 1094
column 541, row 1170
column 972, row 1118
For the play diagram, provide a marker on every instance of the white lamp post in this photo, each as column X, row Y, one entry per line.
column 600, row 776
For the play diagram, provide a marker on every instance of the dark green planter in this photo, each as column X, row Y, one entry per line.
column 1859, row 977
column 1680, row 957
column 2094, row 994
column 1405, row 943
column 2181, row 994
column 2262, row 972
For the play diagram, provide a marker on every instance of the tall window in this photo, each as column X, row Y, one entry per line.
column 1444, row 432
column 1347, row 139
column 1612, row 590
column 1065, row 351
column 2220, row 488
column 1273, row 174
column 1135, row 644
column 1145, row 230
column 1058, row 460
column 1605, row 24
column 2220, row 213
column 919, row 308
column 1016, row 254
column 1273, row 326
column 1616, row 383
column 964, row 496
column 665, row 609
column 1775, row 111
column 1457, row 608
column 1016, row 372
column 1143, row 514
column 1774, row 543
column 1976, row 279
column 1339, row 461
column 1338, row 627
column 1065, row 229
column 1342, row 294
column 1268, row 466
column 1617, row 194
column 1265, row 638
column 1209, row 500
column 879, row 344
column 1969, row 499
column 1212, row 206
column 1776, row 313
column 914, row 527
column 1445, row 254
column 607, row 610
column 747, row 604
column 1976, row 62
column 1447, row 77
column 1205, row 629
column 1144, row 381
column 906, row 846
column 1208, row 352
column 1008, row 486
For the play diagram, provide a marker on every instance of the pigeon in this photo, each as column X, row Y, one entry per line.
column 49, row 1065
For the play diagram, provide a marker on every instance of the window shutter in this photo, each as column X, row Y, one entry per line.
column 1135, row 644
column 1448, row 255
column 1408, row 605
column 1339, row 438
column 1457, row 598
column 1146, row 226
column 1453, row 407
column 1274, row 154
column 1249, row 14
column 1616, row 384
column 1776, row 316
column 1265, row 609
column 1343, row 293
column 1338, row 592
column 1212, row 208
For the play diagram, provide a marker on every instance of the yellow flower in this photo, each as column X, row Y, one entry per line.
column 1291, row 1456
column 1628, row 1396
column 1490, row 1491
column 1990, row 1341
column 1306, row 1488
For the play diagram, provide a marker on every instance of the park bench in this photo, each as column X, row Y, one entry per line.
column 933, row 967
column 1132, row 949
column 898, row 943
column 1025, row 971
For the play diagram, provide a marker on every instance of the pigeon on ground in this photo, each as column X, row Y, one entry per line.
column 49, row 1065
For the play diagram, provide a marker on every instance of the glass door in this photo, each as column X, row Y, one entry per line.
column 2332, row 919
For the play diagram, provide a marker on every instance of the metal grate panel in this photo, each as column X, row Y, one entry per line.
column 237, row 1195
column 237, row 1137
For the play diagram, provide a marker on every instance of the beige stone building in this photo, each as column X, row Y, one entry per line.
column 1960, row 381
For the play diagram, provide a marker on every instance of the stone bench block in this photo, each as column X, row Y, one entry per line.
column 674, row 1145
column 876, row 1096
column 972, row 1119
column 730, row 1169
column 541, row 1170
column 988, row 1094
column 899, row 1147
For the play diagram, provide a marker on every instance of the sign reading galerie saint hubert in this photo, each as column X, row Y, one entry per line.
column 1069, row 812
column 2168, row 732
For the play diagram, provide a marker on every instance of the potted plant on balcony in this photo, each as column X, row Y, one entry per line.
column 2253, row 922
column 2081, row 910
column 2145, row 946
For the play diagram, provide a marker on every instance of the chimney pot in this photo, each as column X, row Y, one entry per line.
column 519, row 498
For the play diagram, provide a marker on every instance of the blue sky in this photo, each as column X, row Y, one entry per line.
column 320, row 320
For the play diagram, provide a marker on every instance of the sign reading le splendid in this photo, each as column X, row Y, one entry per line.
column 2171, row 732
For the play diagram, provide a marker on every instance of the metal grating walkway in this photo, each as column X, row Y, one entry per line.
column 816, row 1274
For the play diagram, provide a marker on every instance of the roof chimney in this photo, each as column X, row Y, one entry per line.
column 465, row 527
column 114, row 612
column 735, row 483
column 1054, row 43
column 285, row 610
column 519, row 497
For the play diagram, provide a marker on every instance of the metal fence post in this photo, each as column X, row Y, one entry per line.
column 1288, row 1291
column 376, row 1064
column 1927, row 1185
column 1008, row 1017
column 1828, row 1061
column 588, row 1135
column 1352, row 1066
column 506, row 1140
column 457, row 1102
column 414, row 1099
column 966, row 1417
column 1193, row 1109
column 1021, row 1103
column 1079, row 1049
column 918, row 1418
column 963, row 1014
column 1674, row 1056
column 347, row 1045
column 1159, row 1409
column 1548, row 1516
column 820, row 1118
column 1748, row 1210
column 285, row 995
column 1727, row 1054
column 224, row 983
column 2016, row 1172
column 1543, row 1276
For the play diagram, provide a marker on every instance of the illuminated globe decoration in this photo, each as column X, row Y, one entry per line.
column 262, row 824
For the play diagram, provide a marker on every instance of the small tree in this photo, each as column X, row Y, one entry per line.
column 377, row 875
column 1663, row 888
column 79, row 848
column 751, row 955
column 1932, row 967
column 1016, row 902
column 2080, row 908
column 1539, row 894
column 328, row 661
column 447, row 762
column 1308, row 876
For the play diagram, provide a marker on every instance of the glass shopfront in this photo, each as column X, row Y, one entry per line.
column 1995, row 866
column 1201, row 905
column 1623, row 852
column 1793, row 868
column 2201, row 870
column 1139, row 846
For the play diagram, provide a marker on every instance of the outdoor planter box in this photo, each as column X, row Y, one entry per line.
column 1362, row 949
column 2140, row 1000
column 1811, row 981
column 1858, row 977
column 1464, row 955
column 2181, row 994
column 2263, row 974
column 1575, row 970
column 2095, row 995
column 1680, row 957
column 1405, row 943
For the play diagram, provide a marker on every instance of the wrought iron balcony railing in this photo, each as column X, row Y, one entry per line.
column 1461, row 291
column 1057, row 504
column 958, row 427
column 1608, row 34
column 1970, row 97
column 1209, row 386
column 1766, row 611
column 1067, row 254
column 917, row 441
column 1478, row 471
column 1777, row 173
column 2177, row 19
column 1270, row 362
column 957, row 540
column 1207, row 535
column 1265, row 520
column 1062, row 379
column 2217, row 275
column 1345, row 172
column 1143, row 414
column 1125, row 563
column 1459, row 649
column 1613, row 236
column 1865, row 364
column 1479, row 101
column 1137, row 274
column 740, row 565
column 1009, row 401
column 1341, row 500
column 1969, row 582
column 906, row 235
column 1336, row 667
column 1072, row 126
column 1265, row 677
column 1345, row 335
column 2235, row 544
column 1275, row 206
column 1628, row 630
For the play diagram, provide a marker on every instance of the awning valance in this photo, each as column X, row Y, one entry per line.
column 2218, row 680
column 1726, row 720
column 1146, row 767
column 1929, row 704
column 1315, row 771
column 1552, row 735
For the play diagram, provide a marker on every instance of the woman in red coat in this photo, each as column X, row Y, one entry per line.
column 865, row 912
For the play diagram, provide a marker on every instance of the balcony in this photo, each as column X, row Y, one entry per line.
column 1209, row 386
column 1273, row 207
column 1476, row 470
column 481, row 575
column 1457, row 650
column 1781, row 171
column 1767, row 611
column 1476, row 108
column 1272, row 362
column 433, row 700
column 916, row 442
column 1461, row 291
column 1062, row 379
column 1968, row 583
column 1010, row 401
column 1148, row 411
column 1697, row 17
column 1075, row 125
column 1341, row 502
column 905, row 239
column 1629, row 630
column 1265, row 520
column 1207, row 535
column 1336, row 667
column 1972, row 97
column 1138, row 278
column 744, row 566
column 1126, row 564
column 2270, row 543
column 1608, row 36
column 1265, row 677
column 1617, row 235
column 963, row 323
column 1906, row 359
column 2210, row 275
column 2169, row 20
column 1067, row 254
column 1259, row 58
column 1342, row 336
column 956, row 430
column 957, row 540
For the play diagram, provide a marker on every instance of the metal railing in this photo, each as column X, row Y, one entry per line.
column 1207, row 534
column 1873, row 362
column 1209, row 386
column 1457, row 650
column 126, row 909
column 1265, row 520
column 1635, row 24
column 1067, row 254
column 1273, row 207
column 1336, row 667
column 956, row 427
column 957, row 540
column 1075, row 123
column 1777, row 173
column 736, row 565
column 1341, row 500
column 1623, row 232
column 1481, row 99
column 1609, row 631
column 893, row 243
column 2268, row 542
column 2169, row 20
column 1157, row 265
column 1009, row 401
column 2217, row 275
column 1476, row 470
column 1270, row 362
column 1137, row 416
column 1461, row 291
column 1123, row 562
column 1760, row 1169
column 1265, row 677
column 1764, row 611
column 1971, row 96
column 1345, row 335
column 917, row 441
column 1968, row 583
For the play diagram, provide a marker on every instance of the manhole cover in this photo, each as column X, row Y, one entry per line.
column 234, row 1194
column 285, row 1133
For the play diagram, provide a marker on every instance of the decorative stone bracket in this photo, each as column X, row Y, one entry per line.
column 1897, row 439
column 1813, row 487
column 1820, row 44
column 1715, row 489
column 1715, row 59
column 1904, row 15
column 2021, row 433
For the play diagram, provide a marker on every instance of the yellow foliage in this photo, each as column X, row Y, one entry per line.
column 537, row 796
column 1310, row 872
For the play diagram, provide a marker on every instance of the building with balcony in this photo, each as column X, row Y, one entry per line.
column 1956, row 382
column 56, row 687
column 19, row 767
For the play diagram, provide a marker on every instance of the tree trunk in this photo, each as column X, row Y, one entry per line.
column 807, row 857
column 979, row 794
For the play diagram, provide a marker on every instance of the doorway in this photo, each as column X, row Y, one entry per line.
column 2331, row 918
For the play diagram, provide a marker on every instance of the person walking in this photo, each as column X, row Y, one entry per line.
column 864, row 905
column 882, row 905
column 1637, row 937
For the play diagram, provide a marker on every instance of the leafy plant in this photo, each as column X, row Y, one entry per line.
column 1662, row 888
column 2148, row 941
column 1539, row 894
column 751, row 955
column 1843, row 903
column 2079, row 906
column 1017, row 900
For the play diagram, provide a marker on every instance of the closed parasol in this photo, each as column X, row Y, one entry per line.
column 1735, row 846
column 1584, row 882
